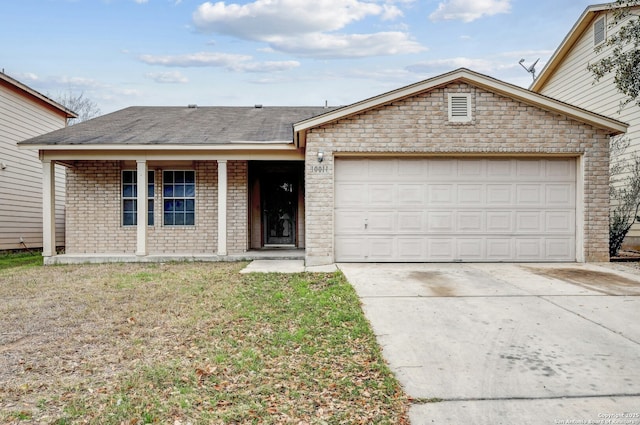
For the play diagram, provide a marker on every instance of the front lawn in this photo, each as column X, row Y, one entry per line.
column 187, row 343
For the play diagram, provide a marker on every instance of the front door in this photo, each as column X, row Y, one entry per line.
column 279, row 208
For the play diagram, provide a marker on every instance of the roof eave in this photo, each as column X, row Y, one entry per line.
column 37, row 95
column 568, row 42
column 613, row 126
column 235, row 146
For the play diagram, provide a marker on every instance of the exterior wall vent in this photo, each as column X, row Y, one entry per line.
column 599, row 31
column 460, row 107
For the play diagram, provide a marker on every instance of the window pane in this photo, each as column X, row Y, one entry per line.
column 167, row 177
column 168, row 206
column 168, row 191
column 190, row 191
column 151, row 176
column 150, row 191
column 128, row 177
column 129, row 205
column 190, row 219
column 190, row 177
column 179, row 191
column 168, row 219
column 178, row 205
column 190, row 205
column 128, row 219
column 150, row 212
column 179, row 219
column 128, row 191
column 179, row 177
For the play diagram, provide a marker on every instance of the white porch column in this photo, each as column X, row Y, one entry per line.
column 142, row 219
column 48, row 208
column 222, row 207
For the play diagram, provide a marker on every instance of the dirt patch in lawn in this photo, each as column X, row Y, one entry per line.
column 187, row 343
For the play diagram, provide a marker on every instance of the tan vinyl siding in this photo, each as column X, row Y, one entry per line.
column 573, row 83
column 21, row 181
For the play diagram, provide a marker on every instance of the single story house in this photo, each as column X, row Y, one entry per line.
column 459, row 167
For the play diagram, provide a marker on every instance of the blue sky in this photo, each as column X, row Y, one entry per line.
column 122, row 53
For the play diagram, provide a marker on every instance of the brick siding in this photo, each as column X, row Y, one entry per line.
column 419, row 126
column 94, row 212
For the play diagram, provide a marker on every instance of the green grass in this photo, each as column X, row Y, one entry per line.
column 201, row 344
column 22, row 259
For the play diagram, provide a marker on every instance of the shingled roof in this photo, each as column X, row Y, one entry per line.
column 151, row 125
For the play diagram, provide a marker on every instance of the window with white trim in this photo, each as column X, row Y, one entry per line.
column 460, row 107
column 179, row 195
column 599, row 31
column 130, row 197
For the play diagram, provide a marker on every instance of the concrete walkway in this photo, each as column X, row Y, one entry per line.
column 285, row 266
column 508, row 343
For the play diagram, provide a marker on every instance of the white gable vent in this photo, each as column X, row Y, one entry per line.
column 459, row 107
column 598, row 31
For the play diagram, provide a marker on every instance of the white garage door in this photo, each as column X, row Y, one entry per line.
column 453, row 209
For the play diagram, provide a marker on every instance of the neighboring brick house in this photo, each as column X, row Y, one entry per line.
column 460, row 167
column 566, row 77
column 25, row 113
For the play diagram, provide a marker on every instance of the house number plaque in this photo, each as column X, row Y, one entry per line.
column 319, row 169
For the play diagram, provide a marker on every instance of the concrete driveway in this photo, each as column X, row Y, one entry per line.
column 508, row 343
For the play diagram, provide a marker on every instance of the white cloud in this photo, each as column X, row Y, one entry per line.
column 469, row 10
column 347, row 46
column 308, row 29
column 167, row 77
column 263, row 19
column 195, row 59
column 233, row 62
column 141, row 1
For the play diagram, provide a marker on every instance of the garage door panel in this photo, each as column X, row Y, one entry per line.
column 412, row 170
column 499, row 168
column 528, row 195
column 382, row 249
column 351, row 194
column 441, row 195
column 440, row 221
column 560, row 195
column 529, row 249
column 560, row 247
column 470, row 169
column 529, row 168
column 411, row 194
column 496, row 209
column 412, row 248
column 500, row 194
column 529, row 222
column 440, row 249
column 500, row 221
column 351, row 248
column 411, row 221
column 561, row 169
column 470, row 221
column 499, row 249
column 381, row 221
column 559, row 221
column 441, row 169
column 381, row 194
column 470, row 249
column 352, row 170
column 470, row 194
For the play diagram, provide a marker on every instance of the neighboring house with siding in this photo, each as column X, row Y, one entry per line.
column 459, row 167
column 25, row 113
column 565, row 77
